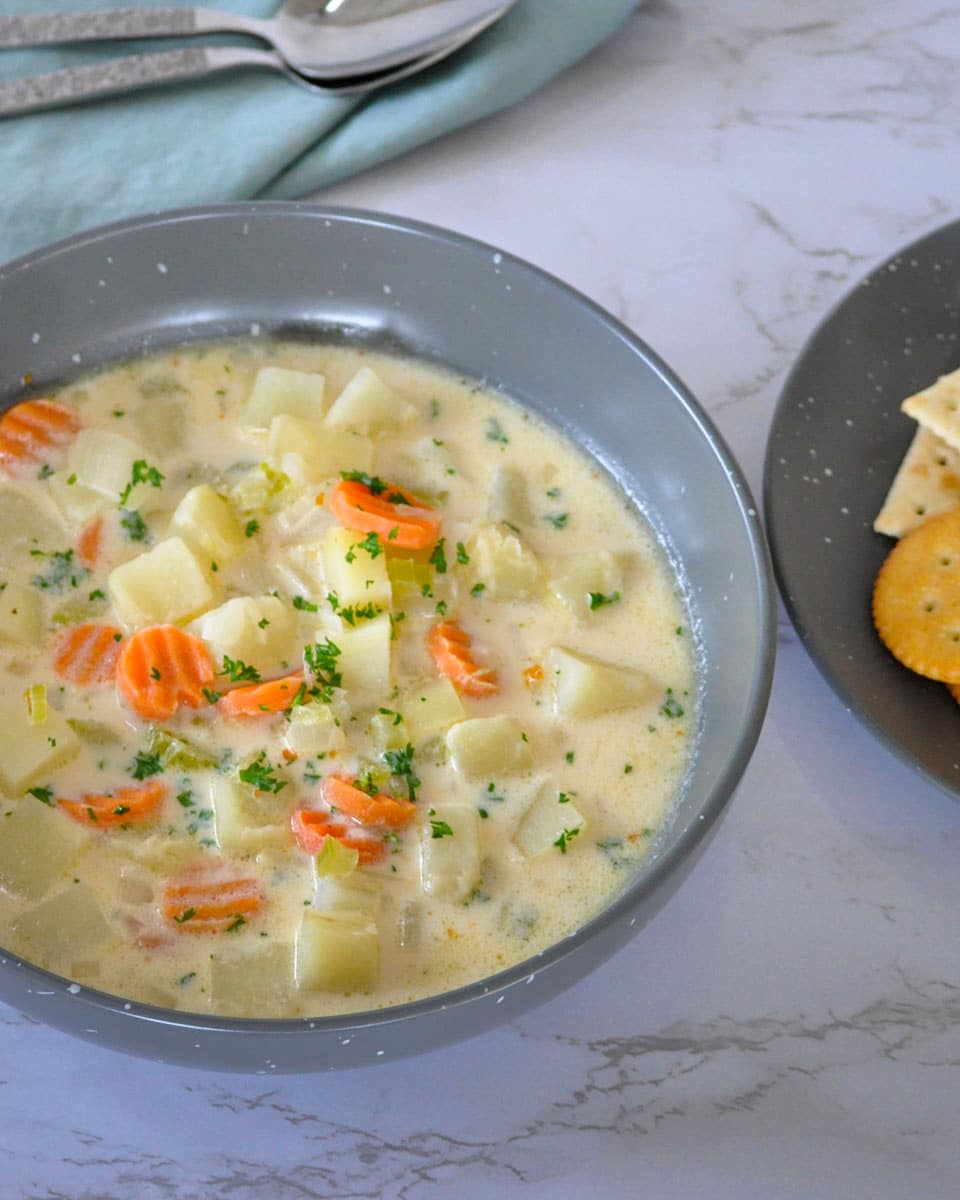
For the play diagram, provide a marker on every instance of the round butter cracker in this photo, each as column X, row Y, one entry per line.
column 916, row 599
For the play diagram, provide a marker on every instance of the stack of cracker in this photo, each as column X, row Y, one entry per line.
column 916, row 598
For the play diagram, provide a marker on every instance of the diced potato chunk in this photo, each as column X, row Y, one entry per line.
column 368, row 406
column 351, row 572
column 259, row 630
column 23, row 527
column 78, row 504
column 242, row 821
column 208, row 524
column 431, row 709
column 507, row 569
column 69, row 923
column 278, row 390
column 578, row 575
column 350, row 893
column 365, row 656
column 428, row 466
column 103, row 461
column 166, row 584
column 584, row 687
column 38, row 844
column 256, row 983
column 313, row 729
column 337, row 951
column 19, row 615
column 30, row 751
column 548, row 821
column 450, row 851
column 509, row 501
column 319, row 452
column 488, row 746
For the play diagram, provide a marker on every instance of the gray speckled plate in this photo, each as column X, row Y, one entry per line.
column 835, row 444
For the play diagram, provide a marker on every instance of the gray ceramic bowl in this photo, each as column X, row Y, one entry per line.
column 283, row 268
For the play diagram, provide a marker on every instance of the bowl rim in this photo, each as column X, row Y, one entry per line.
column 697, row 831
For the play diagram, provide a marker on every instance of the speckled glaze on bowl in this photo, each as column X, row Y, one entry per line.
column 282, row 269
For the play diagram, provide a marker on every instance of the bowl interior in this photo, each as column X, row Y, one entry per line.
column 297, row 269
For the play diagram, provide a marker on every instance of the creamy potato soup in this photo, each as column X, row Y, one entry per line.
column 330, row 681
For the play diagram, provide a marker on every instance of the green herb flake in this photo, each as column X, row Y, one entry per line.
column 43, row 794
column 400, row 763
column 439, row 829
column 142, row 472
column 134, row 525
column 45, row 471
column 261, row 774
column 671, row 707
column 235, row 923
column 238, row 671
column 146, row 765
column 211, row 696
column 478, row 589
column 304, row 605
column 438, row 558
column 251, row 528
column 598, row 599
column 154, row 673
column 321, row 661
column 62, row 571
column 569, row 756
column 557, row 520
column 462, row 556
column 565, row 838
column 185, row 799
column 187, row 915
column 495, row 432
column 97, row 594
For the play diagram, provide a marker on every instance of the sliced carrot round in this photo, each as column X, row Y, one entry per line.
column 127, row 806
column 34, row 431
column 449, row 647
column 409, row 525
column 87, row 654
column 345, row 799
column 262, row 699
column 211, row 896
column 311, row 828
column 161, row 668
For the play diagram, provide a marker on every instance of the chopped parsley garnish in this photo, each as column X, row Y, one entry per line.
column 389, row 712
column 478, row 589
column 185, row 799
column 598, row 599
column 121, row 809
column 43, row 794
column 146, row 765
column 462, row 555
column 569, row 756
column 439, row 829
column 358, row 612
column 97, row 594
column 142, row 473
column 261, row 774
column 187, row 915
column 671, row 707
column 238, row 671
column 557, row 520
column 321, row 662
column 400, row 763
column 211, row 696
column 564, row 797
column 375, row 484
column 495, row 432
column 45, row 471
column 305, row 605
column 135, row 526
column 438, row 557
column 62, row 571
column 251, row 528
column 155, row 673
column 237, row 920
column 565, row 838
column 372, row 544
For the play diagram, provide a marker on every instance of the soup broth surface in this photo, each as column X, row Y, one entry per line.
column 507, row 707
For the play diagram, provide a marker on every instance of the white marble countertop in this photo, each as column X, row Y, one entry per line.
column 789, row 1026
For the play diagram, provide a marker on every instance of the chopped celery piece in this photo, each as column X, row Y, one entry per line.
column 95, row 733
column 334, row 859
column 408, row 576
column 263, row 490
column 37, row 703
column 177, row 752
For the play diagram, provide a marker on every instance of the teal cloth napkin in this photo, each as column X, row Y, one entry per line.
column 252, row 135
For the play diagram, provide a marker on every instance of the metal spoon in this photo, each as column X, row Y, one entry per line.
column 57, row 89
column 302, row 33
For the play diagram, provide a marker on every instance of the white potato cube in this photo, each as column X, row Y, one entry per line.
column 347, row 893
column 509, row 501
column 39, row 842
column 277, row 390
column 368, row 406
column 254, row 983
column 19, row 615
column 450, row 851
column 507, row 569
column 431, row 709
column 78, row 504
column 365, row 656
column 103, row 461
column 351, row 572
column 575, row 577
column 24, row 527
column 313, row 729
column 244, row 822
column 166, row 584
column 488, row 746
column 28, row 751
column 259, row 630
column 69, row 923
column 337, row 951
column 549, row 820
column 585, row 687
column 318, row 452
column 208, row 524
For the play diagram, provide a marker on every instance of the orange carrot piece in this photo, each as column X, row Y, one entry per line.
column 311, row 829
column 127, row 806
column 89, row 543
column 211, row 896
column 410, row 525
column 262, row 699
column 34, row 431
column 162, row 667
column 345, row 799
column 449, row 647
column 87, row 653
